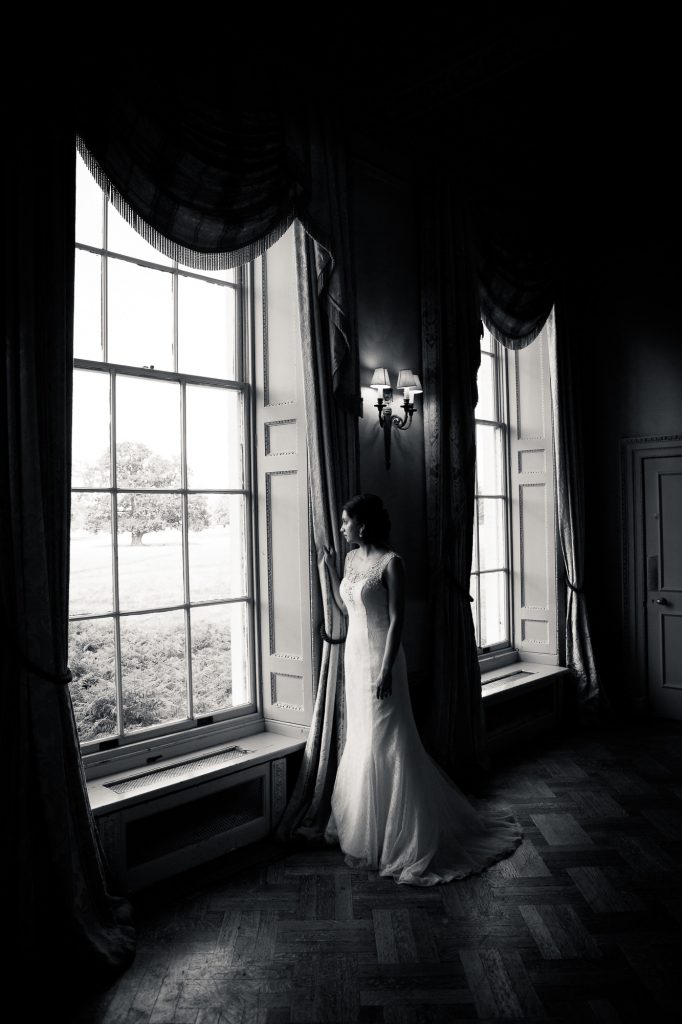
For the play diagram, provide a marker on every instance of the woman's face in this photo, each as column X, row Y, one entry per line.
column 350, row 528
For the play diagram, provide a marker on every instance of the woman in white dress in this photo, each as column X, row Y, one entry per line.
column 393, row 808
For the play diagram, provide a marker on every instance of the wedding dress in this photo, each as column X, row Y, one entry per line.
column 393, row 808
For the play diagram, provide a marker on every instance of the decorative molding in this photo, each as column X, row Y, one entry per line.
column 277, row 423
column 633, row 451
column 268, row 533
column 286, row 705
column 664, row 619
column 266, row 343
column 534, row 640
column 520, row 436
column 529, row 392
column 522, row 548
column 266, row 337
column 532, row 451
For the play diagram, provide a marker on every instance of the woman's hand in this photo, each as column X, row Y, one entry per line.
column 329, row 558
column 384, row 685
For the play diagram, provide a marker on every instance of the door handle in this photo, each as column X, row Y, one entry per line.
column 661, row 600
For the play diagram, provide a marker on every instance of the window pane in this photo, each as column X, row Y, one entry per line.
column 90, row 466
column 90, row 589
column 493, row 608
column 153, row 669
column 489, row 460
column 217, row 566
column 140, row 315
column 206, row 329
column 219, row 663
column 474, row 551
column 149, row 551
column 491, row 533
column 474, row 607
column 87, row 306
column 485, row 408
column 147, row 433
column 214, row 438
column 215, row 275
column 89, row 207
column 487, row 343
column 125, row 240
column 92, row 661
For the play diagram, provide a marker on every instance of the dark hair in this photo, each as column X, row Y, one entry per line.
column 369, row 511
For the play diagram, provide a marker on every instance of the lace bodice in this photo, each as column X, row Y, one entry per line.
column 362, row 583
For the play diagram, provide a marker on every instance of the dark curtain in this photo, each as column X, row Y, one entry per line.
column 64, row 923
column 451, row 354
column 230, row 184
column 326, row 297
column 515, row 266
column 202, row 164
column 330, row 379
column 568, row 474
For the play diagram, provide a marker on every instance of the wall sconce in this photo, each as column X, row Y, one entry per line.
column 411, row 386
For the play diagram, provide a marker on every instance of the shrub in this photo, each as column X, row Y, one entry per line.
column 153, row 671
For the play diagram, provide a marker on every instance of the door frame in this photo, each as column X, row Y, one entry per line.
column 633, row 452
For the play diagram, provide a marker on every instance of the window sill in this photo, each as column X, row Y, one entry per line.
column 163, row 749
column 504, row 681
column 497, row 659
column 159, row 780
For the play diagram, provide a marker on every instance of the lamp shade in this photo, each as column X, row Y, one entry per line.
column 409, row 380
column 380, row 378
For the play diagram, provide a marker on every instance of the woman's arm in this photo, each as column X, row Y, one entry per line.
column 395, row 583
column 329, row 561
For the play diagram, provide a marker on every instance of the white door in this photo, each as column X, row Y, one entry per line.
column 663, row 575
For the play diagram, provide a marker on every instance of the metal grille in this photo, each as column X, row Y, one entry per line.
column 195, row 822
column 186, row 770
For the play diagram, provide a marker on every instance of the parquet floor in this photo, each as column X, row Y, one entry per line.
column 583, row 923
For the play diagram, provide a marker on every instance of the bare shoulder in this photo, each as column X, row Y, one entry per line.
column 395, row 567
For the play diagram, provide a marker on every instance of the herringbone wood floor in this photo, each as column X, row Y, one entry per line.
column 583, row 923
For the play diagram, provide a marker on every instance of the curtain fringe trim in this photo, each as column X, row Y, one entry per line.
column 507, row 340
column 174, row 250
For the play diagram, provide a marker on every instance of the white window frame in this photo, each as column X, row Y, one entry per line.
column 525, row 399
column 533, row 503
column 493, row 653
column 265, row 711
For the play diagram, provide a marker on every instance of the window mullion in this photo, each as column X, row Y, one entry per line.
column 478, row 577
column 104, row 340
column 497, row 420
column 185, row 546
column 114, row 555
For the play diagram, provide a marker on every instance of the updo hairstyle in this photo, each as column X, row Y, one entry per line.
column 369, row 511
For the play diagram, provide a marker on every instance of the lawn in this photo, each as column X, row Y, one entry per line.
column 153, row 657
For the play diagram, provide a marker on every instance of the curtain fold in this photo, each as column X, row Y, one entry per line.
column 515, row 266
column 330, row 382
column 570, row 502
column 451, row 332
column 64, row 918
column 197, row 163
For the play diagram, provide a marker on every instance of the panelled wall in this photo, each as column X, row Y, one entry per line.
column 532, row 502
column 386, row 263
column 284, row 586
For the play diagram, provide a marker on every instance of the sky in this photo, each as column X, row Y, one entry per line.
column 140, row 332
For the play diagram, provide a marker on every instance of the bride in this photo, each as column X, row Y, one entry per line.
column 393, row 808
